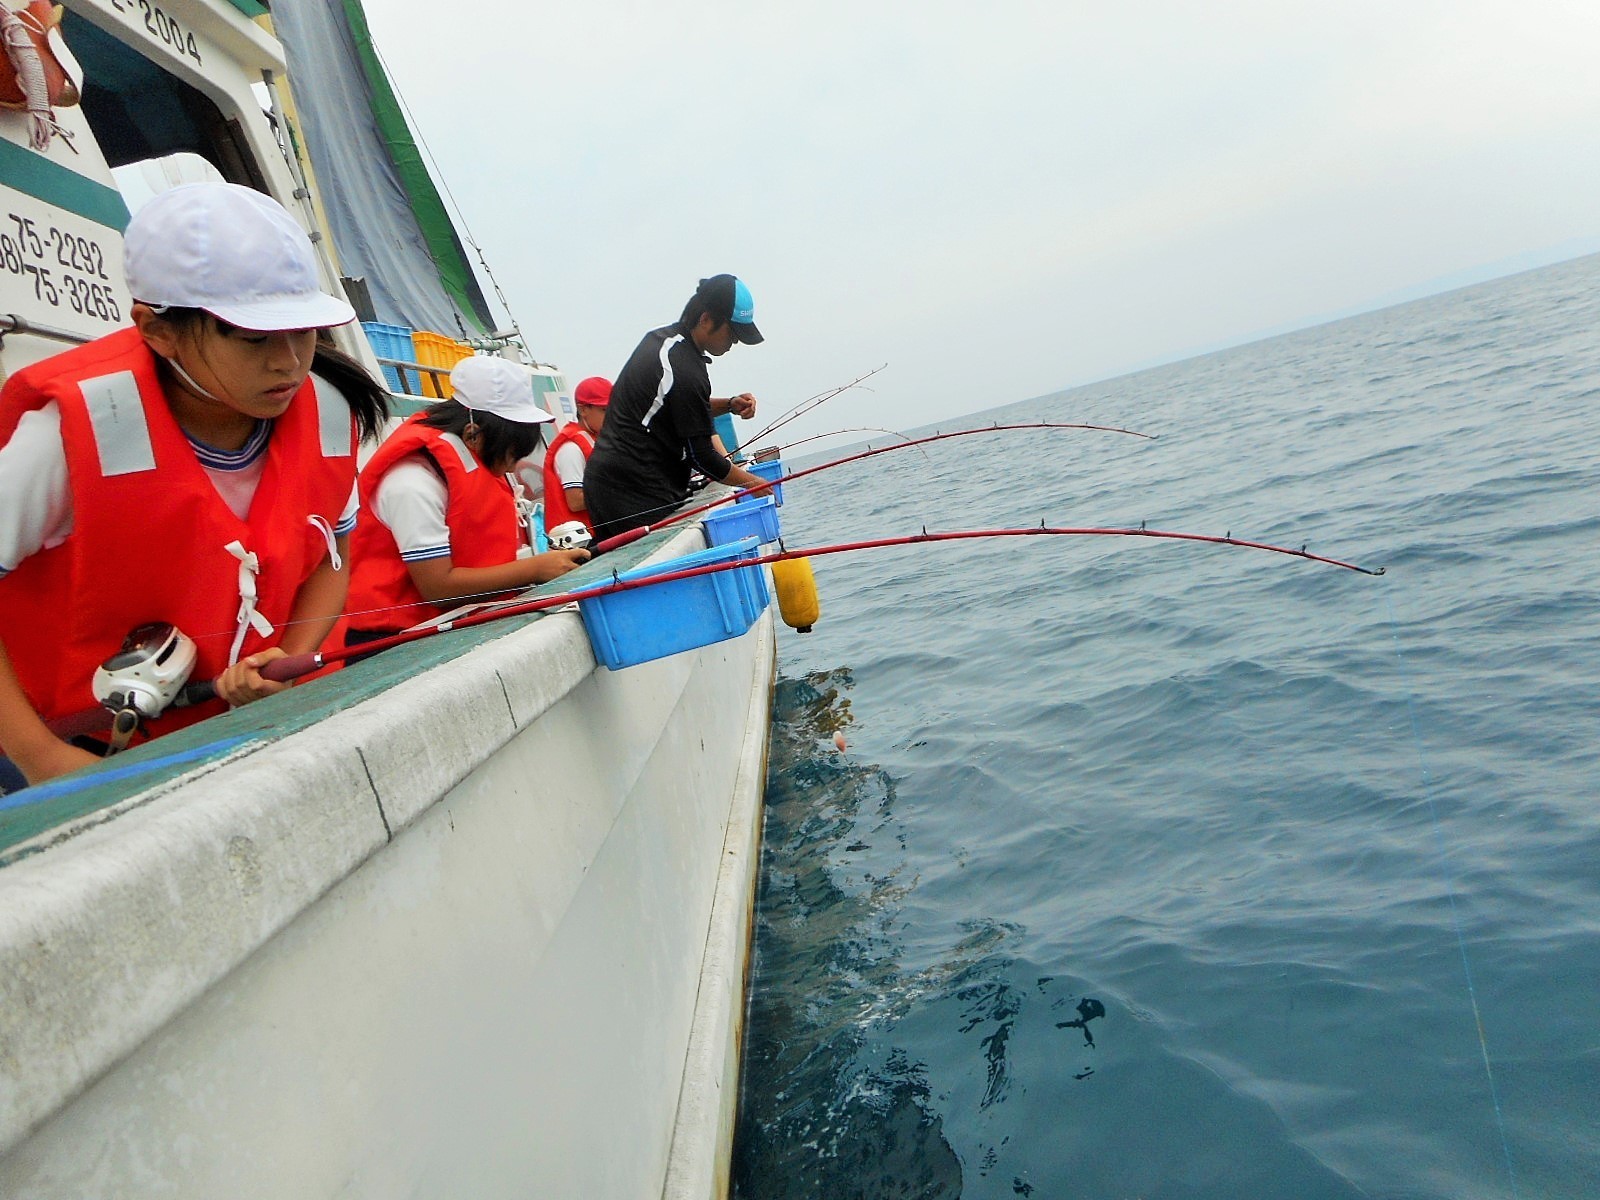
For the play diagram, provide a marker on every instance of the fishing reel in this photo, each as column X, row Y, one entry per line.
column 144, row 678
column 571, row 535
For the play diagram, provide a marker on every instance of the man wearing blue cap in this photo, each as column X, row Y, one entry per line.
column 659, row 423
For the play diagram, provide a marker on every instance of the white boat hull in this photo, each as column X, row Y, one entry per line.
column 483, row 935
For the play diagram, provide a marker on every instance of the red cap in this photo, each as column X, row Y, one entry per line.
column 594, row 391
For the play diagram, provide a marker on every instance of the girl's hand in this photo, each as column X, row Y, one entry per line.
column 553, row 564
column 243, row 682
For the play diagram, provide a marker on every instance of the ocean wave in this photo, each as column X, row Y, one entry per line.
column 1320, row 845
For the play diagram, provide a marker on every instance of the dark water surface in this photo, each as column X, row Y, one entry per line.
column 1323, row 849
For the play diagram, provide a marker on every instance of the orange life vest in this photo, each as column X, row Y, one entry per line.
column 556, row 511
column 481, row 513
column 150, row 534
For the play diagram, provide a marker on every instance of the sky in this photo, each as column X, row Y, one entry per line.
column 998, row 201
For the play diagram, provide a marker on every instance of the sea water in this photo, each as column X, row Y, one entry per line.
column 1155, row 869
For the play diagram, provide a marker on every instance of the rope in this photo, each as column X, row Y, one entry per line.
column 24, row 56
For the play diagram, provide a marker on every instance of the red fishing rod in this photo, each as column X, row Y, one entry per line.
column 297, row 665
column 633, row 535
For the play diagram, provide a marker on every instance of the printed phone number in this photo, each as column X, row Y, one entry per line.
column 161, row 26
column 81, row 285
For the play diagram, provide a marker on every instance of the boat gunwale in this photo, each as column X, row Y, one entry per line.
column 38, row 818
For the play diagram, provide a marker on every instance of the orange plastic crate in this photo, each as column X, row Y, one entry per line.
column 436, row 350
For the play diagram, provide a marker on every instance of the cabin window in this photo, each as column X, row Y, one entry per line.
column 138, row 111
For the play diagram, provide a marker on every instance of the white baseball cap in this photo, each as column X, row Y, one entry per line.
column 232, row 251
column 489, row 384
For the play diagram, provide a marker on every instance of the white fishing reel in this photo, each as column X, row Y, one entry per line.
column 572, row 535
column 147, row 675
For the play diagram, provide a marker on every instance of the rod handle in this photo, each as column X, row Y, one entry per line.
column 620, row 539
column 291, row 666
column 280, row 669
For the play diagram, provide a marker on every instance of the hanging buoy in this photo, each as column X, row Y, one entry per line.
column 797, row 593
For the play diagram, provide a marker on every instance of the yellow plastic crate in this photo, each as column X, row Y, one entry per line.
column 436, row 350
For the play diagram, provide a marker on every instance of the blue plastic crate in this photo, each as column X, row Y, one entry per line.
column 770, row 471
column 393, row 341
column 758, row 519
column 636, row 626
column 723, row 424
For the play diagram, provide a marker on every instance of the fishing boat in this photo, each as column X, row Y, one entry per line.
column 469, row 918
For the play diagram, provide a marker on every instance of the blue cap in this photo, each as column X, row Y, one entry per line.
column 728, row 299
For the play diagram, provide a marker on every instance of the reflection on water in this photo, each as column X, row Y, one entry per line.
column 818, row 1114
column 829, row 1107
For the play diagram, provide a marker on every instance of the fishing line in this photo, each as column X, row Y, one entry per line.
column 811, row 402
column 800, row 409
column 633, row 535
column 456, row 602
column 1450, row 892
column 841, row 432
column 295, row 665
column 512, row 608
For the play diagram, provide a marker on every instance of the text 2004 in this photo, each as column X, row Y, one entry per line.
column 160, row 25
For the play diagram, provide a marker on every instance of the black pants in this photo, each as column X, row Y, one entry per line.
column 360, row 637
column 11, row 777
column 620, row 499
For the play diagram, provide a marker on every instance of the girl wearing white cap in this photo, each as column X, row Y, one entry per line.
column 186, row 469
column 443, row 524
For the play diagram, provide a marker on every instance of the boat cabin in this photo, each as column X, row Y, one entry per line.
column 141, row 96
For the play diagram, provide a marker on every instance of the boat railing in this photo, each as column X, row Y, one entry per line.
column 11, row 323
column 403, row 365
